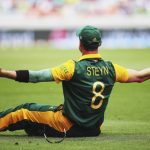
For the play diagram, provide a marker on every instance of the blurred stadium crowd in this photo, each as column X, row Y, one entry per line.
column 44, row 8
column 124, row 23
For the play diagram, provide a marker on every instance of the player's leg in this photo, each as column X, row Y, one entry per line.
column 34, row 116
column 39, row 119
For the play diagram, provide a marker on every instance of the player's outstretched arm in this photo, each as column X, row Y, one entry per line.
column 44, row 75
column 7, row 74
column 138, row 76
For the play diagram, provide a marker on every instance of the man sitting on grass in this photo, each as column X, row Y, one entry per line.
column 87, row 85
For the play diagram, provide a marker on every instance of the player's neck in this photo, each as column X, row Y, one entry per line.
column 89, row 52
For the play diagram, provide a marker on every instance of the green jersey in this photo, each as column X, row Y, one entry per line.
column 87, row 93
column 87, row 85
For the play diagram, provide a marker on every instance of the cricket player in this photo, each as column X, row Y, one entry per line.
column 87, row 85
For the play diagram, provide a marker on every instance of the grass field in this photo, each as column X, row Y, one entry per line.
column 127, row 118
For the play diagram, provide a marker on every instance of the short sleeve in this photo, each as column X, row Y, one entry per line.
column 64, row 71
column 121, row 73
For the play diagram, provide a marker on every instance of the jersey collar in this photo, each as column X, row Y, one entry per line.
column 90, row 56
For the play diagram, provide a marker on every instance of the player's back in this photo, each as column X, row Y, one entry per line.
column 87, row 93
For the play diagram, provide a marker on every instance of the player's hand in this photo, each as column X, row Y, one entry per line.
column 7, row 74
column 0, row 72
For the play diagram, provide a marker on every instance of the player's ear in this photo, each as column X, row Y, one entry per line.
column 80, row 46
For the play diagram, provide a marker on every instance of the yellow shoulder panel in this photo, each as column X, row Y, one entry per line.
column 121, row 73
column 64, row 71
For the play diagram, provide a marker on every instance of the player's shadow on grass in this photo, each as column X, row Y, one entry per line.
column 102, row 137
column 11, row 135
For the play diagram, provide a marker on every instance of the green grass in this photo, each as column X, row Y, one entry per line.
column 127, row 118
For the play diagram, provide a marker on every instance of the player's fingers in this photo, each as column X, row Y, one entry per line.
column 0, row 72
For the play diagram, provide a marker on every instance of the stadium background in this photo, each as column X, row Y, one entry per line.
column 29, row 22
